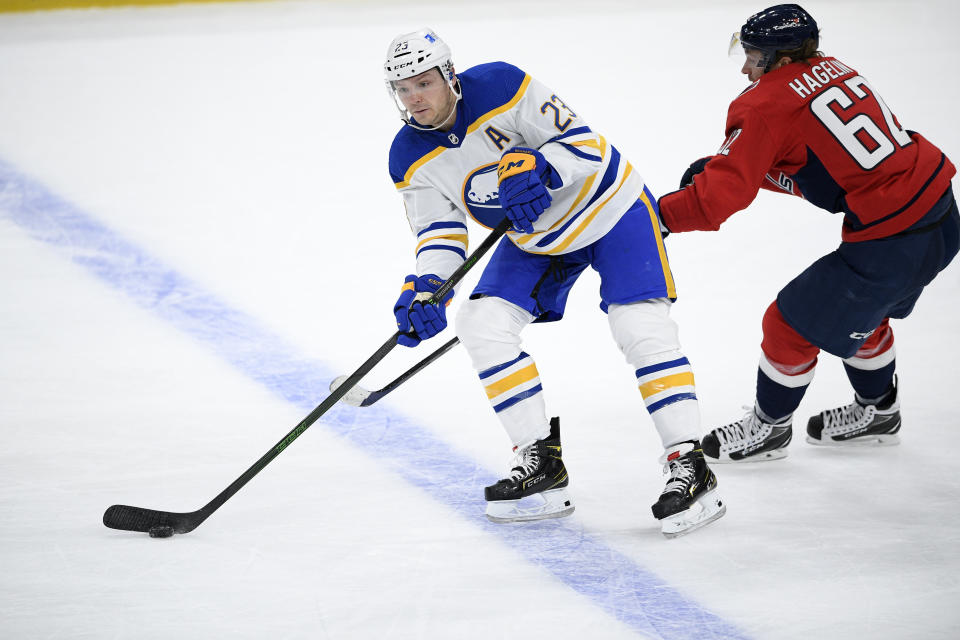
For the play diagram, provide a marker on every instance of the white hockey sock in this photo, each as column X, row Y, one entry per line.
column 489, row 329
column 648, row 338
column 669, row 393
column 516, row 395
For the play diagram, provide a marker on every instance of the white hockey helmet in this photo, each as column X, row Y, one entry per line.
column 411, row 54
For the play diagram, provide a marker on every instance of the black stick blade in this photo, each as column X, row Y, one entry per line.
column 125, row 518
column 371, row 398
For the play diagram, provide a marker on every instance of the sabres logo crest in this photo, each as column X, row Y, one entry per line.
column 481, row 195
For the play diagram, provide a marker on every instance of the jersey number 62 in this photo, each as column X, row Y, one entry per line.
column 861, row 130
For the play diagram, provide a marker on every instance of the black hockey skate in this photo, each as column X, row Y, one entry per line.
column 536, row 488
column 749, row 439
column 858, row 423
column 690, row 500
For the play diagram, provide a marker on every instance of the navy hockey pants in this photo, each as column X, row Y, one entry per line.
column 841, row 298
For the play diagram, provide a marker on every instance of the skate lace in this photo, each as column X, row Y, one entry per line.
column 681, row 474
column 525, row 462
column 844, row 416
column 740, row 430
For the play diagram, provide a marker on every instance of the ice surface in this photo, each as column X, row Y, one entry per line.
column 197, row 233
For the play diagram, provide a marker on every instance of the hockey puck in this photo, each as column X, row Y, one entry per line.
column 160, row 531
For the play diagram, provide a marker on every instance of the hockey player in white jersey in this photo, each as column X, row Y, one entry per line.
column 492, row 142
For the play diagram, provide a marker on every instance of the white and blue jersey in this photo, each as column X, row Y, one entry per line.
column 445, row 176
column 600, row 216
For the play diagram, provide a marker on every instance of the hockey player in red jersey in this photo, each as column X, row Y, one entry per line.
column 811, row 126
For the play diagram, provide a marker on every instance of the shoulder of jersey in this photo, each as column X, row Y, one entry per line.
column 485, row 87
column 765, row 94
column 758, row 95
column 750, row 87
column 408, row 146
column 492, row 83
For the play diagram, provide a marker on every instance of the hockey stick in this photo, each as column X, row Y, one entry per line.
column 163, row 524
column 360, row 397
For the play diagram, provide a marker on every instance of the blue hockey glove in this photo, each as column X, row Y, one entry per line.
column 416, row 319
column 524, row 175
column 695, row 167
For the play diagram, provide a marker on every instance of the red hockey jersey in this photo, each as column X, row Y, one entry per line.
column 820, row 131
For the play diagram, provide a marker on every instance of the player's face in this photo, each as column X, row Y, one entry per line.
column 428, row 98
column 750, row 64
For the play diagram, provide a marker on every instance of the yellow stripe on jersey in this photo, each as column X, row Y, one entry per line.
column 416, row 165
column 600, row 146
column 460, row 237
column 584, row 190
column 587, row 185
column 664, row 263
column 662, row 384
column 514, row 379
column 593, row 214
column 589, row 143
column 470, row 129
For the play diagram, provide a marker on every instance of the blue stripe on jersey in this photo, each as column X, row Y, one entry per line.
column 642, row 371
column 676, row 398
column 443, row 247
column 576, row 131
column 500, row 367
column 609, row 177
column 517, row 398
column 443, row 225
column 553, row 235
column 580, row 154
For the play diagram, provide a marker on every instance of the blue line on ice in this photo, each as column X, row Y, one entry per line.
column 582, row 561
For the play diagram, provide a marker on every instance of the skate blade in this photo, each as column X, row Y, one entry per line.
column 354, row 397
column 764, row 456
column 706, row 509
column 555, row 503
column 873, row 440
